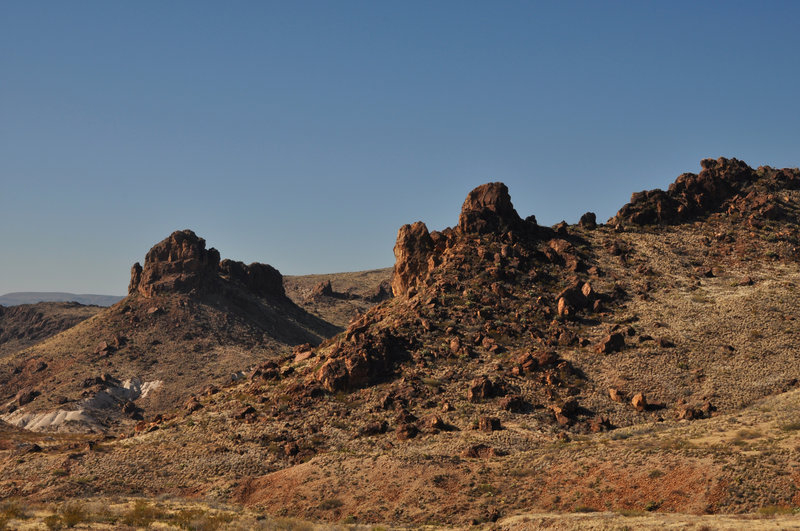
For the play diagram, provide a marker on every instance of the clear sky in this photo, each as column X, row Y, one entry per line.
column 304, row 134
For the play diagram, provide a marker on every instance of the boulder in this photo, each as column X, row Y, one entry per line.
column 588, row 221
column 488, row 424
column 611, row 343
column 639, row 402
column 323, row 289
column 488, row 209
column 480, row 389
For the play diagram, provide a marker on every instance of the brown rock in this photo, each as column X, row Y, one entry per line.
column 481, row 451
column 25, row 396
column 588, row 221
column 639, row 402
column 179, row 263
column 262, row 280
column 514, row 404
column 435, row 423
column 488, row 209
column 479, row 389
column 488, row 424
column 611, row 343
column 406, row 431
column 412, row 251
column 246, row 413
column 565, row 412
column 616, row 395
column 694, row 195
column 323, row 289
column 598, row 424
column 192, row 405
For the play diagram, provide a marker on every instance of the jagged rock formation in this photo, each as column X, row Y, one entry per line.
column 459, row 294
column 181, row 263
column 486, row 210
column 412, row 251
column 723, row 185
column 189, row 320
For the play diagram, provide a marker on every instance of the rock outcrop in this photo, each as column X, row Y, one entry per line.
column 181, row 263
column 487, row 209
column 412, row 251
column 260, row 279
column 723, row 185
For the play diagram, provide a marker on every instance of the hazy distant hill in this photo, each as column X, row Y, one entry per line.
column 32, row 297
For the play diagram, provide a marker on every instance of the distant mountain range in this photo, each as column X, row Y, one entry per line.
column 32, row 297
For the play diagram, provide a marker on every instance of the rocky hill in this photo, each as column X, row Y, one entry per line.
column 189, row 321
column 648, row 364
column 26, row 324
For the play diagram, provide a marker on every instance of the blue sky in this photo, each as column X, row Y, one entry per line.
column 304, row 134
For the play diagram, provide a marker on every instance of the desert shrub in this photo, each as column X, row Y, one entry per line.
column 652, row 505
column 331, row 503
column 201, row 520
column 142, row 514
column 53, row 522
column 772, row 510
column 72, row 514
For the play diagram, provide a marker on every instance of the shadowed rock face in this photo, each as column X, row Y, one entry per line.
column 723, row 184
column 181, row 263
column 261, row 279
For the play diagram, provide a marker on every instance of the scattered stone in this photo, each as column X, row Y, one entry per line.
column 514, row 404
column 374, row 428
column 480, row 389
column 25, row 396
column 323, row 289
column 488, row 424
column 406, row 431
column 565, row 412
column 616, row 395
column 639, row 402
column 481, row 451
column 611, row 343
column 435, row 423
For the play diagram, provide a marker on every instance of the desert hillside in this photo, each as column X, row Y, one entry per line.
column 648, row 364
column 26, row 324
